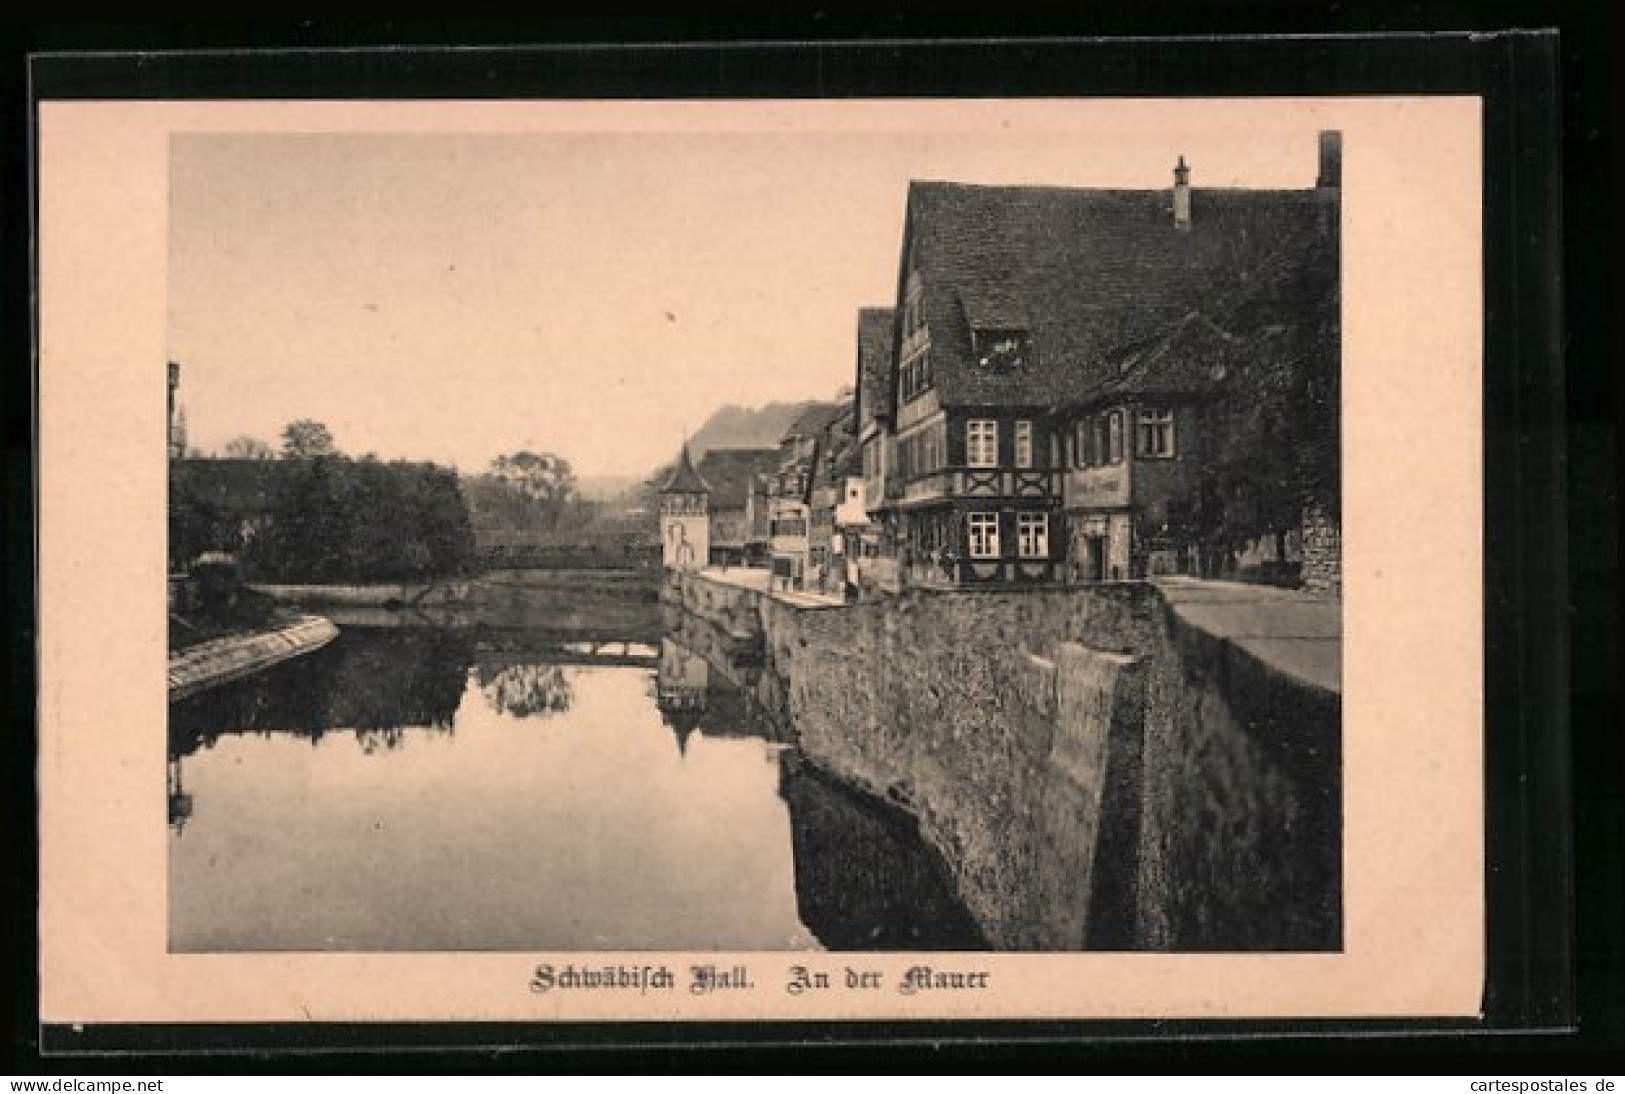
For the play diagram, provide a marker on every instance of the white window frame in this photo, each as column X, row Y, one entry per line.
column 1032, row 535
column 982, row 442
column 1114, row 437
column 1154, row 432
column 982, row 535
column 1024, row 443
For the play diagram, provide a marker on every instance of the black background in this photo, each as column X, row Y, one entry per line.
column 1551, row 587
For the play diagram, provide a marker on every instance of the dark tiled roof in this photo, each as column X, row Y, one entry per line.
column 815, row 419
column 877, row 334
column 730, row 472
column 1189, row 358
column 1086, row 272
column 684, row 479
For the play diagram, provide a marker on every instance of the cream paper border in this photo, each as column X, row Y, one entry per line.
column 1414, row 856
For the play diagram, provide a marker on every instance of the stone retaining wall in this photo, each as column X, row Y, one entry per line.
column 357, row 595
column 222, row 659
column 1095, row 772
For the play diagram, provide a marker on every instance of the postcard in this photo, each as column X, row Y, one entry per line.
column 774, row 560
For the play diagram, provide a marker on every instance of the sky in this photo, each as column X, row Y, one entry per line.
column 595, row 294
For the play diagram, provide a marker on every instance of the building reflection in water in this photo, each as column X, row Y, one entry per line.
column 864, row 878
column 682, row 690
column 695, row 695
column 180, row 802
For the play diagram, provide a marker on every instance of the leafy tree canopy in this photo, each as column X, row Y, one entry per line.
column 307, row 438
column 249, row 448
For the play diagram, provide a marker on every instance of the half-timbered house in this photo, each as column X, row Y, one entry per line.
column 1016, row 307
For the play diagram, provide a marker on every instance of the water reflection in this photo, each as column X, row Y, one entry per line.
column 374, row 796
column 382, row 681
column 525, row 690
column 864, row 881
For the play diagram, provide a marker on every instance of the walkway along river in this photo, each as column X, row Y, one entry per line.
column 525, row 788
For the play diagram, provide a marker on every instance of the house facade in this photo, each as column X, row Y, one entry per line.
column 876, row 444
column 790, row 494
column 1095, row 385
column 836, row 515
column 735, row 503
column 1185, row 455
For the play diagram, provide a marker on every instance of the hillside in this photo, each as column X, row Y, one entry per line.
column 744, row 427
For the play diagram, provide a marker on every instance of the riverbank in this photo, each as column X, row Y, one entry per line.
column 1119, row 766
column 231, row 657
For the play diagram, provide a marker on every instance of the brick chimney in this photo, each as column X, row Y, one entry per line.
column 1182, row 196
column 1331, row 160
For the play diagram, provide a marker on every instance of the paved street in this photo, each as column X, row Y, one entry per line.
column 1298, row 633
column 761, row 580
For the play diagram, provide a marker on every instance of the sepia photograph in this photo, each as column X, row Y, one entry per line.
column 770, row 560
column 904, row 540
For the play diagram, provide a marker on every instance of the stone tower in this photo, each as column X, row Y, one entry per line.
column 685, row 517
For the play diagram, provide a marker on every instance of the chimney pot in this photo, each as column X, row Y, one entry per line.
column 1331, row 160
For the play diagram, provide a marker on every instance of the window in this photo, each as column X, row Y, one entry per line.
column 1032, row 535
column 984, row 535
column 1080, row 444
column 913, row 319
column 982, row 443
column 1002, row 350
column 1024, row 444
column 1114, row 437
column 1156, row 432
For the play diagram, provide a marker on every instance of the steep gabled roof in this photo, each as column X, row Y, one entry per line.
column 730, row 472
column 1189, row 358
column 815, row 419
column 684, row 479
column 876, row 337
column 1084, row 272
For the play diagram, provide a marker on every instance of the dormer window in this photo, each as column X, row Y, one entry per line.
column 1002, row 350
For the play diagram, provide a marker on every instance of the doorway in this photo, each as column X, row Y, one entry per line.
column 1094, row 558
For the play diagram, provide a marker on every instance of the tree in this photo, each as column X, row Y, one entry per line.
column 526, row 491
column 249, row 448
column 545, row 478
column 307, row 438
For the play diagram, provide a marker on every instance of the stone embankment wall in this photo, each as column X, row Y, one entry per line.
column 215, row 662
column 351, row 595
column 1095, row 773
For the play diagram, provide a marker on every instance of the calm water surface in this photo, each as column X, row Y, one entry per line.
column 422, row 789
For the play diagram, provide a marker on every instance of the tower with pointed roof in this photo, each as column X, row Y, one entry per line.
column 685, row 517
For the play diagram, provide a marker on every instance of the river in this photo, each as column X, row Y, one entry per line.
column 417, row 788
